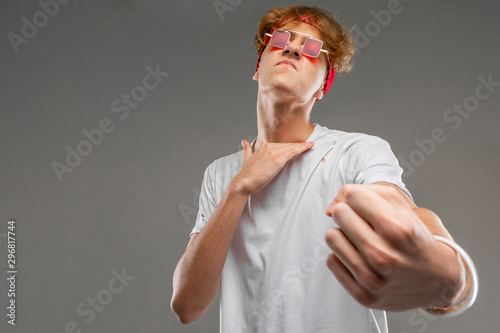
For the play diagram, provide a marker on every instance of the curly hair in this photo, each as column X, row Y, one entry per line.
column 336, row 39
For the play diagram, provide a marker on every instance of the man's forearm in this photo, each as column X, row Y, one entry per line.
column 197, row 276
column 432, row 221
column 455, row 284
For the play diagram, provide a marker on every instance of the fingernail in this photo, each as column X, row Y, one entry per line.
column 330, row 207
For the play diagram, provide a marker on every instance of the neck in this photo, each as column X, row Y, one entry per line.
column 282, row 121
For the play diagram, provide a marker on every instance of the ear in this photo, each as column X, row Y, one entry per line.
column 256, row 76
column 319, row 93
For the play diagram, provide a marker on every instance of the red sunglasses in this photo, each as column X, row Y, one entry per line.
column 311, row 47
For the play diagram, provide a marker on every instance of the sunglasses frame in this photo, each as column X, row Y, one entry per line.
column 303, row 44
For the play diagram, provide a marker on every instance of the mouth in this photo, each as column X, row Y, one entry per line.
column 287, row 63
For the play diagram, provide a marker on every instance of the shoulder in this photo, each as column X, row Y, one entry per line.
column 225, row 166
column 227, row 161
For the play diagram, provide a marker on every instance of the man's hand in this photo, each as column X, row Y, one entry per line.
column 260, row 167
column 384, row 255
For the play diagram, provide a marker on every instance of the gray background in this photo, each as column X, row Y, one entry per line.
column 122, row 206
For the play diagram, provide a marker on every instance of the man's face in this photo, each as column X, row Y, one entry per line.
column 288, row 72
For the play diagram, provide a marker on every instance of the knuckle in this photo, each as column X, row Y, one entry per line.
column 349, row 190
column 396, row 196
column 331, row 237
column 379, row 259
column 391, row 191
column 399, row 229
column 347, row 187
column 406, row 231
column 330, row 261
column 403, row 230
column 363, row 297
column 370, row 280
column 339, row 210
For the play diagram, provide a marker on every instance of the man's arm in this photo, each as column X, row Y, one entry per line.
column 384, row 252
column 198, row 273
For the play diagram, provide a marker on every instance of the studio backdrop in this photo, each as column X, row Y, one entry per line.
column 112, row 110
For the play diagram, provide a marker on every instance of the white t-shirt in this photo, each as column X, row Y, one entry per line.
column 275, row 277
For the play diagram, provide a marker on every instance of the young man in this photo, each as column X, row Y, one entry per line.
column 265, row 211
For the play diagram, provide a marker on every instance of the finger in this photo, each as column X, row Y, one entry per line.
column 283, row 152
column 388, row 193
column 247, row 151
column 348, row 282
column 328, row 210
column 372, row 247
column 298, row 148
column 353, row 261
column 353, row 226
column 393, row 197
column 308, row 145
column 392, row 220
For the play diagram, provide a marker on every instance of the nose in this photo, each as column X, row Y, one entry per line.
column 294, row 47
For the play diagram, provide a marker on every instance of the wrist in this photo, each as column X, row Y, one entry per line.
column 454, row 285
column 466, row 295
column 450, row 276
column 239, row 187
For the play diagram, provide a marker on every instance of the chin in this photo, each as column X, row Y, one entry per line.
column 282, row 85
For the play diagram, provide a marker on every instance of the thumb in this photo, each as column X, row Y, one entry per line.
column 328, row 211
column 247, row 151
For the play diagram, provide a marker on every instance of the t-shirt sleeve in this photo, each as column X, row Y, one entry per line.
column 207, row 200
column 370, row 159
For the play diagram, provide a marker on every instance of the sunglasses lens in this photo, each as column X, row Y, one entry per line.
column 280, row 39
column 312, row 47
